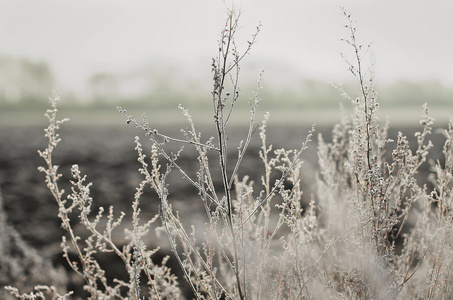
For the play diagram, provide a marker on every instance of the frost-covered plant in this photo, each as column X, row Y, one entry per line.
column 235, row 259
column 398, row 231
column 22, row 263
column 374, row 230
column 135, row 255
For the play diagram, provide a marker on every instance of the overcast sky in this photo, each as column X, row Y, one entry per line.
column 412, row 39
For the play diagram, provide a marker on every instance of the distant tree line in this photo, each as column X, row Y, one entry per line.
column 24, row 80
column 162, row 84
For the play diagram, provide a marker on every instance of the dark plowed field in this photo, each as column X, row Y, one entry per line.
column 107, row 156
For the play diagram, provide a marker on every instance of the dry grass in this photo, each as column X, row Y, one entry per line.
column 373, row 230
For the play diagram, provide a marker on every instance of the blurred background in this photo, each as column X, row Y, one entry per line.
column 149, row 56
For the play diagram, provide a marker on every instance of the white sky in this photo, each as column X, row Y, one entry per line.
column 412, row 39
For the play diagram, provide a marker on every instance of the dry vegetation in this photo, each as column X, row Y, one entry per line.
column 373, row 230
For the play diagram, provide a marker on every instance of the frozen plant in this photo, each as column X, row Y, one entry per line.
column 373, row 230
